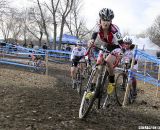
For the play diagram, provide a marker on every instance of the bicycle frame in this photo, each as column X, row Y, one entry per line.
column 37, row 65
column 127, row 80
column 101, row 69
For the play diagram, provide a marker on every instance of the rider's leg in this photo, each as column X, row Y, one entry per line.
column 83, row 66
column 110, row 61
column 73, row 72
column 111, row 78
column 73, row 76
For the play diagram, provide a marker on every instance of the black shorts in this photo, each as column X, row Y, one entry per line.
column 112, row 47
column 76, row 60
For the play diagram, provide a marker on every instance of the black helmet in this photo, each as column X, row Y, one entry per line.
column 106, row 14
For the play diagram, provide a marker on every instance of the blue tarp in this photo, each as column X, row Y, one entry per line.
column 68, row 39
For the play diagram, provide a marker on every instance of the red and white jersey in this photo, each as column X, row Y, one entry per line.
column 128, row 54
column 113, row 37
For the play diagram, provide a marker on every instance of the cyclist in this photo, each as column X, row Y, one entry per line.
column 37, row 58
column 77, row 54
column 109, row 37
column 129, row 54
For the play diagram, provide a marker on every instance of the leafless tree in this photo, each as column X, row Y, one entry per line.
column 10, row 24
column 43, row 21
column 154, row 31
column 25, row 19
column 4, row 20
column 5, row 27
column 64, row 10
column 35, row 24
column 3, row 6
column 16, row 21
column 75, row 24
column 53, row 9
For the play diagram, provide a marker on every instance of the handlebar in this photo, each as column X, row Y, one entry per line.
column 104, row 50
column 93, row 46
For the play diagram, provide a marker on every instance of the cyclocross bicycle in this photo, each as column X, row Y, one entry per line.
column 122, row 81
column 100, row 92
column 37, row 66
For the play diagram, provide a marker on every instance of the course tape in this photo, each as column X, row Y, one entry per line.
column 16, row 64
column 146, row 78
column 146, row 56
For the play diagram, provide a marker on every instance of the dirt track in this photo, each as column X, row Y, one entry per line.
column 30, row 101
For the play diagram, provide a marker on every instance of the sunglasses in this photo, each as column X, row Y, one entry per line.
column 127, row 43
column 106, row 20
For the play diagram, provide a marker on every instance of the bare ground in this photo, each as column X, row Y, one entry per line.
column 30, row 101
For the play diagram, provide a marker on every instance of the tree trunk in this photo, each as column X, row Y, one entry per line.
column 61, row 34
column 55, row 36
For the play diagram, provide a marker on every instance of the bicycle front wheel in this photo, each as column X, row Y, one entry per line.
column 86, row 104
column 79, row 87
column 120, row 89
column 79, row 82
column 103, row 96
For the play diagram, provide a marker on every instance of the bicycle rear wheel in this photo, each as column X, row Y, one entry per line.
column 131, row 98
column 120, row 89
column 86, row 104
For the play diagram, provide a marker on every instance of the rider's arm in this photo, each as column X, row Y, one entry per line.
column 117, row 35
column 132, row 46
column 94, row 36
column 119, row 40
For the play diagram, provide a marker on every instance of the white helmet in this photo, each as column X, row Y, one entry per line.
column 127, row 40
column 36, row 47
column 106, row 14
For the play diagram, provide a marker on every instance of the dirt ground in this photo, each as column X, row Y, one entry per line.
column 30, row 101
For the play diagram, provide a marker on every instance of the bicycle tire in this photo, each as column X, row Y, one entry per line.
column 120, row 89
column 79, row 87
column 78, row 82
column 31, row 64
column 86, row 105
column 131, row 98
column 88, row 71
column 103, row 96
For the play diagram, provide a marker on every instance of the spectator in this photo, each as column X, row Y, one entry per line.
column 25, row 45
column 44, row 46
column 68, row 48
column 63, row 48
column 158, row 54
column 30, row 45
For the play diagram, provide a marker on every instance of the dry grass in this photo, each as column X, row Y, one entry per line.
column 148, row 93
column 19, row 78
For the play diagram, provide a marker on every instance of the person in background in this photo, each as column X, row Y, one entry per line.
column 45, row 47
column 30, row 45
column 77, row 54
column 68, row 48
column 127, row 43
column 25, row 45
column 158, row 54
